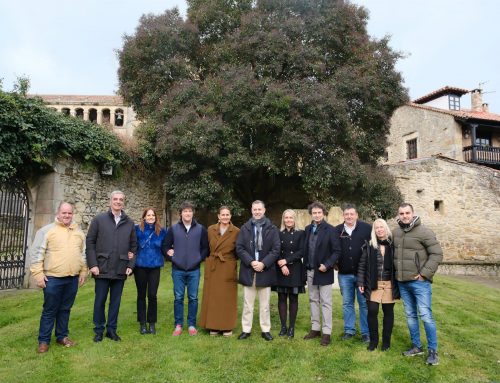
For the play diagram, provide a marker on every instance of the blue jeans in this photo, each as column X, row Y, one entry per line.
column 115, row 289
column 58, row 298
column 417, row 299
column 182, row 280
column 349, row 290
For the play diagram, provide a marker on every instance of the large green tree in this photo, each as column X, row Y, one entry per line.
column 281, row 100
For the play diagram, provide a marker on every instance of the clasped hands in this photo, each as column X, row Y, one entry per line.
column 257, row 266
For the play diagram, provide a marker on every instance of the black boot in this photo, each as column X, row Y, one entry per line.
column 142, row 328
column 372, row 346
column 388, row 324
column 283, row 331
column 152, row 328
column 291, row 332
column 386, row 338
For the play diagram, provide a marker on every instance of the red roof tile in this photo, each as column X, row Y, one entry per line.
column 464, row 113
column 440, row 92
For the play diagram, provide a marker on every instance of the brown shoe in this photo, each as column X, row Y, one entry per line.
column 66, row 342
column 43, row 348
column 312, row 334
column 325, row 340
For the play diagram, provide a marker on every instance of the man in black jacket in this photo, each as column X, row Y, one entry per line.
column 321, row 251
column 258, row 248
column 111, row 247
column 352, row 234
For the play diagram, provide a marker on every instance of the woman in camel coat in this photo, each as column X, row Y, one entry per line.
column 220, row 288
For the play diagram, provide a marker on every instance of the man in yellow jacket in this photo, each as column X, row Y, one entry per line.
column 58, row 265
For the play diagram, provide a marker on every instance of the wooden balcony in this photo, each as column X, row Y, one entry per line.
column 483, row 155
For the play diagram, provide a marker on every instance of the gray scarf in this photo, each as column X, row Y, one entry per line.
column 258, row 238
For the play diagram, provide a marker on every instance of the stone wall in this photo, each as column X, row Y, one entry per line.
column 435, row 133
column 89, row 191
column 459, row 201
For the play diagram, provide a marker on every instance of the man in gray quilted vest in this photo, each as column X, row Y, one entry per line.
column 417, row 255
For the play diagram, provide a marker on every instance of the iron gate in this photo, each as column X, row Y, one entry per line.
column 14, row 218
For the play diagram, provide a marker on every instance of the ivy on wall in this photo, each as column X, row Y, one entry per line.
column 32, row 136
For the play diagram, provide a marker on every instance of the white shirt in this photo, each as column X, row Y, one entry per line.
column 349, row 230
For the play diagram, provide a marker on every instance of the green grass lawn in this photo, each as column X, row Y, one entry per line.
column 467, row 316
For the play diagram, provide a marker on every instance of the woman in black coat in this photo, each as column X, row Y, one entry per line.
column 376, row 280
column 290, row 272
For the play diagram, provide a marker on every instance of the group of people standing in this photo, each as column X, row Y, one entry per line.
column 375, row 266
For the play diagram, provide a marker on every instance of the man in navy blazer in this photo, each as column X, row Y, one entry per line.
column 321, row 252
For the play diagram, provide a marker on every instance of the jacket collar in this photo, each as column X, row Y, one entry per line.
column 193, row 224
column 408, row 227
column 71, row 226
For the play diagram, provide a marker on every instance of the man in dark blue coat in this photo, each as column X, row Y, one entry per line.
column 258, row 248
column 352, row 234
column 186, row 245
column 321, row 252
column 111, row 247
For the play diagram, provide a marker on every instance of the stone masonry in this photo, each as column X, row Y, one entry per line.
column 89, row 191
column 459, row 201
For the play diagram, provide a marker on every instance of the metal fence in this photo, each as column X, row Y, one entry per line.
column 14, row 218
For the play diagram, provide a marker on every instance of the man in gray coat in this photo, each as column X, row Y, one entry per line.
column 110, row 239
column 417, row 255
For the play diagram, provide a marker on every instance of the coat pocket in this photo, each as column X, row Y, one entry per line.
column 103, row 262
column 123, row 264
column 417, row 261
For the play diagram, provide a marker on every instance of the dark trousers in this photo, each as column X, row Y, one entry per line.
column 388, row 323
column 293, row 307
column 115, row 289
column 58, row 298
column 147, row 281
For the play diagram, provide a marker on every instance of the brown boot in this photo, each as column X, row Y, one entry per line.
column 43, row 348
column 325, row 340
column 312, row 334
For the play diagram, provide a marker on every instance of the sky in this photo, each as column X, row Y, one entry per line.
column 69, row 47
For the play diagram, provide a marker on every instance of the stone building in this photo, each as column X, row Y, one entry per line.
column 105, row 110
column 436, row 124
column 446, row 161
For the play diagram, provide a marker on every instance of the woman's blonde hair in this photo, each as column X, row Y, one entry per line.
column 292, row 212
column 373, row 240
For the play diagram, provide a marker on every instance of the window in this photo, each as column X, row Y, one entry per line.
column 438, row 206
column 106, row 116
column 118, row 117
column 93, row 115
column 454, row 102
column 411, row 149
column 483, row 139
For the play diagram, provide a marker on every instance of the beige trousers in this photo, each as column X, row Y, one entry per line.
column 320, row 300
column 249, row 294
